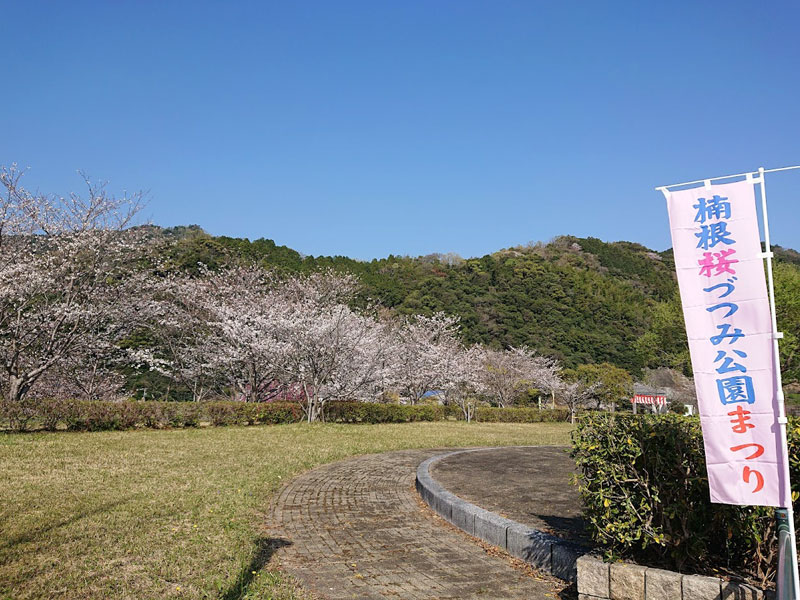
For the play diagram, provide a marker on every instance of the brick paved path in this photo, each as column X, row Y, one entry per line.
column 356, row 529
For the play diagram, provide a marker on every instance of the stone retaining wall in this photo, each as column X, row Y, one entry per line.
column 623, row 581
column 596, row 580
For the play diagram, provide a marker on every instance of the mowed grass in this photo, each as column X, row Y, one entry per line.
column 179, row 514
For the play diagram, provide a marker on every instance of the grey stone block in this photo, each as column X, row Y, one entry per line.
column 740, row 591
column 442, row 505
column 697, row 587
column 593, row 577
column 627, row 581
column 491, row 528
column 424, row 493
column 462, row 515
column 564, row 560
column 662, row 585
column 531, row 545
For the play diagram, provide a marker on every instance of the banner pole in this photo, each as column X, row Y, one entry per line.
column 786, row 514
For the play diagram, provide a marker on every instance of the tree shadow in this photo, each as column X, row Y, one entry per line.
column 569, row 593
column 35, row 533
column 265, row 548
column 573, row 529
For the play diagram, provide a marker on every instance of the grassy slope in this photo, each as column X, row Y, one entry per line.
column 154, row 514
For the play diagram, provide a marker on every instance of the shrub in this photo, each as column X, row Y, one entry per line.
column 224, row 413
column 371, row 412
column 51, row 412
column 18, row 413
column 88, row 415
column 277, row 413
column 489, row 414
column 645, row 490
column 97, row 415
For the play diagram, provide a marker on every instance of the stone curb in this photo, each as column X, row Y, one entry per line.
column 542, row 550
column 596, row 579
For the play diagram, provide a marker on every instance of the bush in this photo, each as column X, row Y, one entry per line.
column 225, row 413
column 276, row 413
column 53, row 411
column 85, row 415
column 520, row 415
column 88, row 415
column 645, row 490
column 18, row 414
column 370, row 412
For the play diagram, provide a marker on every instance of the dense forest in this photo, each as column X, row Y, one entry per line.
column 580, row 300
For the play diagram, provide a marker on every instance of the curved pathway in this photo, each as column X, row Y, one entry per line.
column 357, row 529
column 527, row 484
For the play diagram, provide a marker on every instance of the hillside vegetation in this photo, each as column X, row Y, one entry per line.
column 581, row 300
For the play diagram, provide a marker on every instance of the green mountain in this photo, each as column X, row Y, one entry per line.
column 580, row 299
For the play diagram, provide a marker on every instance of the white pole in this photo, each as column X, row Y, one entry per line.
column 782, row 421
column 761, row 171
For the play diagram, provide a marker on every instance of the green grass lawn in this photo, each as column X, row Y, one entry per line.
column 178, row 514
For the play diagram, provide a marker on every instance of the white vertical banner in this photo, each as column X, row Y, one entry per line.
column 719, row 262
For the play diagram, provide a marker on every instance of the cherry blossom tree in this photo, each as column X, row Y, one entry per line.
column 88, row 377
column 263, row 335
column 333, row 352
column 329, row 350
column 424, row 346
column 219, row 331
column 68, row 282
column 506, row 373
column 461, row 377
column 577, row 395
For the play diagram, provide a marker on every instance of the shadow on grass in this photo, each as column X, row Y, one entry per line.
column 37, row 533
column 265, row 548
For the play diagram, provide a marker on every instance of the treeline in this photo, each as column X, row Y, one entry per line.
column 580, row 300
column 92, row 308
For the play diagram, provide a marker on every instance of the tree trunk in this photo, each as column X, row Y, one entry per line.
column 16, row 388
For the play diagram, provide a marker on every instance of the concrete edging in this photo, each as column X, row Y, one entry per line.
column 542, row 550
column 596, row 580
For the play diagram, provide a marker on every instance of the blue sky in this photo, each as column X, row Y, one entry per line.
column 370, row 128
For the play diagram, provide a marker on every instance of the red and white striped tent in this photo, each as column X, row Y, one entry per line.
column 657, row 399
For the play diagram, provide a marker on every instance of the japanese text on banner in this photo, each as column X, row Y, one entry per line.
column 725, row 305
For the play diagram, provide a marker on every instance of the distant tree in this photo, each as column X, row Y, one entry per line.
column 787, row 306
column 612, row 384
column 260, row 334
column 423, row 347
column 330, row 351
column 461, row 373
column 577, row 395
column 507, row 373
column 68, row 279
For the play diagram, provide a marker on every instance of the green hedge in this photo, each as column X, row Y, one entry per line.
column 76, row 415
column 645, row 490
column 367, row 412
column 520, row 415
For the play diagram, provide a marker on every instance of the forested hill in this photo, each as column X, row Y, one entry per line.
column 580, row 299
